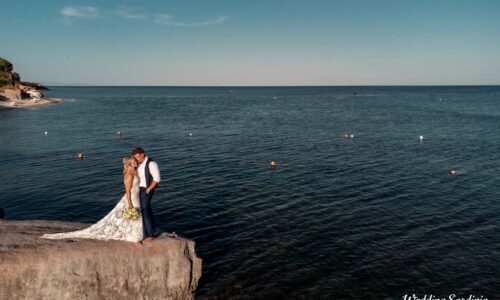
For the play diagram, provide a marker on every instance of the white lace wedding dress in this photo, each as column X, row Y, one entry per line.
column 113, row 226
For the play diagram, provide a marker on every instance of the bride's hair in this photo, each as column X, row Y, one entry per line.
column 128, row 165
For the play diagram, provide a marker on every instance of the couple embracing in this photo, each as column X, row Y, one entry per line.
column 141, row 176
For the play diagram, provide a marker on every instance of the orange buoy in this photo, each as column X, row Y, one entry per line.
column 453, row 172
column 80, row 156
column 273, row 164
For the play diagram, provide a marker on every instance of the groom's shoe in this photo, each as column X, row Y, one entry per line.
column 148, row 240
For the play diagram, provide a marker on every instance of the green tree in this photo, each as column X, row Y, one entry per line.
column 16, row 77
column 5, row 65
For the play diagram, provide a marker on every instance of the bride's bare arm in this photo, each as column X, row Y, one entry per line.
column 129, row 179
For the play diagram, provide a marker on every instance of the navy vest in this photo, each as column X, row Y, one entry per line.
column 147, row 174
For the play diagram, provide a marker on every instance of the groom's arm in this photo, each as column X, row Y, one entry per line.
column 155, row 173
column 151, row 187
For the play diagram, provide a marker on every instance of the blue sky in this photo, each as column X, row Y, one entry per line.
column 258, row 42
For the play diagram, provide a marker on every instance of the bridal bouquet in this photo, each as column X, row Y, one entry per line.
column 131, row 214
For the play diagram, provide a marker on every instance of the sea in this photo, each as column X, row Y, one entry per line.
column 357, row 205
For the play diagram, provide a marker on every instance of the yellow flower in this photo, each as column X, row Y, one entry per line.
column 131, row 214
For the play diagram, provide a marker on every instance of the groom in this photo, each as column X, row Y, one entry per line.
column 149, row 177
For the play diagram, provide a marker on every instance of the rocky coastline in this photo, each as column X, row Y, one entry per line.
column 35, row 268
column 21, row 97
column 15, row 93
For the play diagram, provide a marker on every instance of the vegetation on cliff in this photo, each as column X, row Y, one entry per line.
column 5, row 65
column 10, row 78
column 6, row 68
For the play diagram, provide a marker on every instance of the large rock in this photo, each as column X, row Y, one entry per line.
column 34, row 94
column 12, row 93
column 35, row 268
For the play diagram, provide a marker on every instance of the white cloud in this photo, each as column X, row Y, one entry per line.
column 165, row 19
column 130, row 13
column 84, row 12
column 91, row 12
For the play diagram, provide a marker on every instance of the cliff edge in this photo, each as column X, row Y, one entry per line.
column 35, row 268
column 15, row 93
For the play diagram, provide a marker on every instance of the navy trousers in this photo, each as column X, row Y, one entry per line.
column 148, row 220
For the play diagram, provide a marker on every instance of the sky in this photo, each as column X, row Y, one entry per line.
column 253, row 42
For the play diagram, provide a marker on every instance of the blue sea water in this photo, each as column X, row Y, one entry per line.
column 377, row 216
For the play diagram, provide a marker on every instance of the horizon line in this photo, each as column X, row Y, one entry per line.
column 260, row 86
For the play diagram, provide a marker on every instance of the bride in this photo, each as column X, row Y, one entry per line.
column 114, row 226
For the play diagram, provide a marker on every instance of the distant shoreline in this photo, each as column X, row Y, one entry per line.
column 269, row 86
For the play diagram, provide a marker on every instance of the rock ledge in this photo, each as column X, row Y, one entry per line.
column 35, row 268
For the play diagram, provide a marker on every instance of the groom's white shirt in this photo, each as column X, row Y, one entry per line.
column 153, row 169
